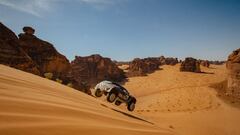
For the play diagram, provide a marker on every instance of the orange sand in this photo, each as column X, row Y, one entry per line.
column 185, row 102
column 31, row 105
column 179, row 103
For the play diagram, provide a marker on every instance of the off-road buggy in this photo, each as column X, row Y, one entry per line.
column 115, row 93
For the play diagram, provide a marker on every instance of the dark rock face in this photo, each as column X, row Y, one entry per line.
column 205, row 63
column 88, row 71
column 168, row 61
column 190, row 65
column 171, row 61
column 233, row 66
column 12, row 54
column 44, row 54
column 141, row 67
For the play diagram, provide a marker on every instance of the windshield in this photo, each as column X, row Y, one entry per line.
column 121, row 87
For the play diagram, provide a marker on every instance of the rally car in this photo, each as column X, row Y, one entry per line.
column 115, row 93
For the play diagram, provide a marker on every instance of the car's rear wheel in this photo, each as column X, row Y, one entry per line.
column 111, row 97
column 117, row 103
column 131, row 106
column 98, row 93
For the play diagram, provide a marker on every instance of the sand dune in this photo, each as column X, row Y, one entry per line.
column 185, row 102
column 34, row 105
column 169, row 102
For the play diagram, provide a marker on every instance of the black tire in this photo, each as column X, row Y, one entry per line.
column 132, row 99
column 111, row 97
column 118, row 103
column 98, row 93
column 131, row 106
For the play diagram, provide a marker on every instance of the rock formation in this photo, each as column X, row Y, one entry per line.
column 190, row 65
column 141, row 67
column 34, row 55
column 168, row 61
column 171, row 61
column 11, row 53
column 205, row 63
column 88, row 71
column 28, row 30
column 233, row 66
column 44, row 54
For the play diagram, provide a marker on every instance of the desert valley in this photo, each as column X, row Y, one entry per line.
column 41, row 92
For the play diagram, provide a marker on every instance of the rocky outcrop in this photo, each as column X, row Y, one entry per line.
column 44, row 54
column 162, row 60
column 205, row 63
column 12, row 54
column 171, row 61
column 28, row 30
column 88, row 71
column 168, row 61
column 233, row 66
column 190, row 65
column 141, row 67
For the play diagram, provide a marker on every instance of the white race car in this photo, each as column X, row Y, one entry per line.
column 115, row 93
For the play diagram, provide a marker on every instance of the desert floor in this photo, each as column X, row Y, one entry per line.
column 169, row 102
column 186, row 102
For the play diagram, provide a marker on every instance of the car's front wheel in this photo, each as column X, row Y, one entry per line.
column 111, row 97
column 131, row 106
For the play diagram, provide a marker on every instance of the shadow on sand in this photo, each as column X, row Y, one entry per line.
column 206, row 72
column 129, row 115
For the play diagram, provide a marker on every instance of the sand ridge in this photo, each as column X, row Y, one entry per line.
column 34, row 105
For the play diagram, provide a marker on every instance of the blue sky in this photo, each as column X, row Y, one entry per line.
column 125, row 29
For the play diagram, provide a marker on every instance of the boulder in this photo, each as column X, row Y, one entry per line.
column 233, row 66
column 205, row 63
column 141, row 67
column 43, row 53
column 171, row 61
column 11, row 53
column 90, row 70
column 190, row 65
column 28, row 30
column 168, row 60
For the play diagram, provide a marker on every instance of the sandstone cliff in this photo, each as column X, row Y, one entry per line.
column 44, row 54
column 233, row 66
column 88, row 71
column 12, row 54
